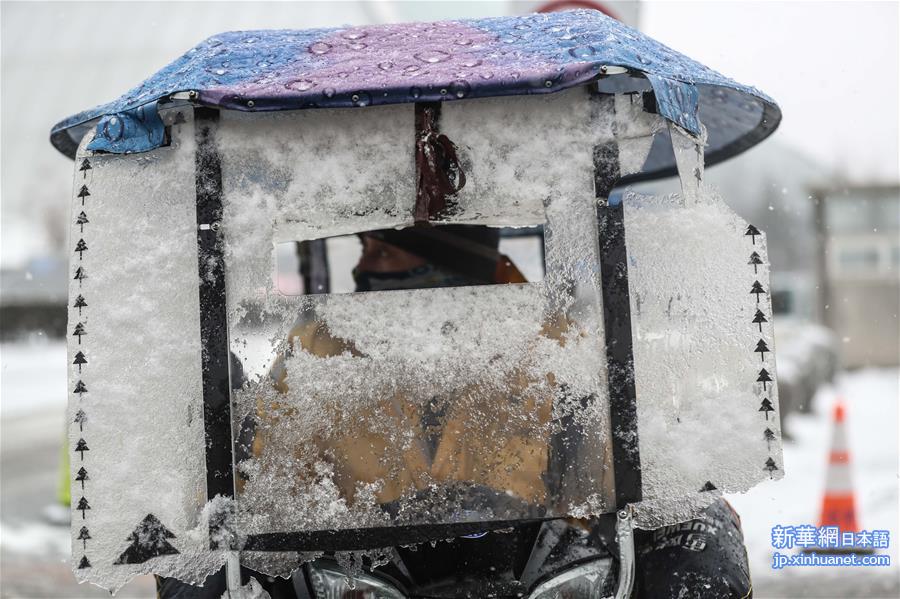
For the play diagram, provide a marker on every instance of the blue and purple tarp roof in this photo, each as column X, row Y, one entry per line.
column 424, row 62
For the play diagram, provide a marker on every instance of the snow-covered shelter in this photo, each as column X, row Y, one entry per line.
column 637, row 375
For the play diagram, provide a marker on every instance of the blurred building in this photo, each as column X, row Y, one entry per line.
column 33, row 298
column 859, row 265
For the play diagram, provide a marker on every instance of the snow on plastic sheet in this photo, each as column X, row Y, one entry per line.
column 326, row 172
column 519, row 152
column 136, row 436
column 426, row 406
column 703, row 356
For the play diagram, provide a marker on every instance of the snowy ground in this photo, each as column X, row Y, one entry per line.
column 871, row 399
column 33, row 552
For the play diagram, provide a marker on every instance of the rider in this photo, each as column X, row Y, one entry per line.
column 701, row 558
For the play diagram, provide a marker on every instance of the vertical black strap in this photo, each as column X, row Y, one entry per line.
column 617, row 323
column 213, row 316
column 313, row 257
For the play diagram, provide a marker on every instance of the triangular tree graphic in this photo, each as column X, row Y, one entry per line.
column 764, row 378
column 80, row 388
column 752, row 232
column 81, row 275
column 79, row 331
column 147, row 541
column 757, row 289
column 82, row 476
column 759, row 318
column 85, row 167
column 708, row 486
column 84, row 563
column 83, row 193
column 84, row 535
column 79, row 360
column 79, row 303
column 83, row 506
column 82, row 447
column 762, row 348
column 82, row 220
column 80, row 248
column 80, row 418
column 770, row 467
column 766, row 406
column 769, row 436
column 755, row 260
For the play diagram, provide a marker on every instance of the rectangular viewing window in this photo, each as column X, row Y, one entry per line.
column 327, row 265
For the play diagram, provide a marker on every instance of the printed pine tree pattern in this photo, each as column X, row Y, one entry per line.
column 83, row 193
column 757, row 289
column 147, row 541
column 81, row 221
column 83, row 536
column 81, row 446
column 766, row 406
column 759, row 318
column 762, row 348
column 769, row 436
column 755, row 260
column 79, row 303
column 752, row 232
column 80, row 248
column 79, row 360
column 764, row 378
column 82, row 476
column 83, row 506
column 80, row 419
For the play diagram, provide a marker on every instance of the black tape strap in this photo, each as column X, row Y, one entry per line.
column 213, row 315
column 617, row 323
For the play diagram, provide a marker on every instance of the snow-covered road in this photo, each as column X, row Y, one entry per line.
column 33, row 391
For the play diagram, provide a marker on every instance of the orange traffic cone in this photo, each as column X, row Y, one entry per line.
column 838, row 504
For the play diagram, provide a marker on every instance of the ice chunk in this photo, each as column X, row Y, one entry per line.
column 705, row 388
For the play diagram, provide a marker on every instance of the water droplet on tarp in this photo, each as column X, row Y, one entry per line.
column 582, row 52
column 301, row 85
column 386, row 65
column 415, row 93
column 432, row 56
column 354, row 34
column 319, row 48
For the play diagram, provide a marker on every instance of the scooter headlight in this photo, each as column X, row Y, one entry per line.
column 330, row 582
column 587, row 581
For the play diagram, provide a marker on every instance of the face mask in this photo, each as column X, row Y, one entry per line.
column 421, row 277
